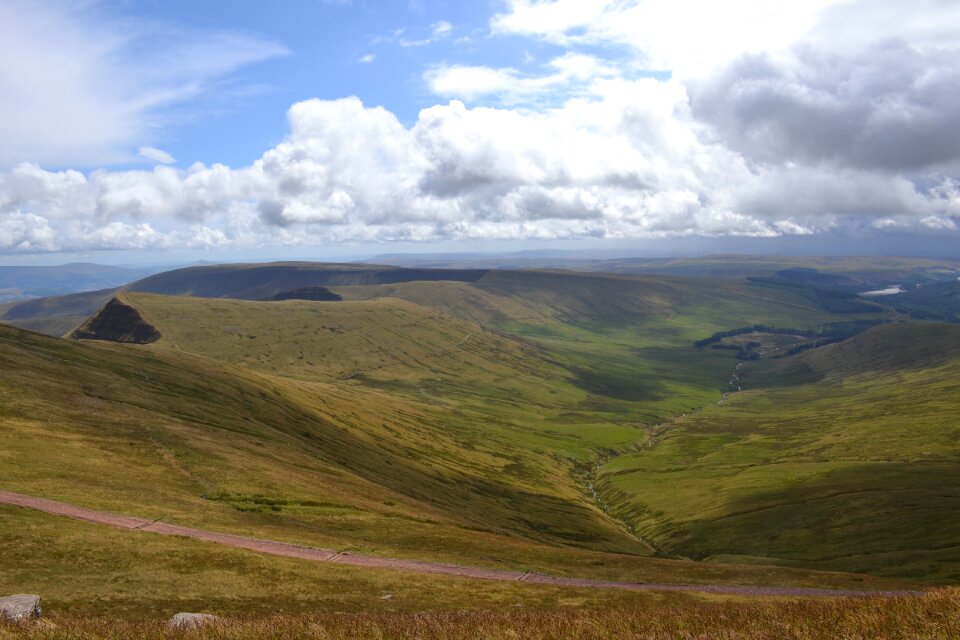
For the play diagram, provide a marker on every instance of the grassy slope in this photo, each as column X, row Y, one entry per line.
column 150, row 430
column 938, row 301
column 88, row 569
column 847, row 457
column 627, row 338
column 465, row 452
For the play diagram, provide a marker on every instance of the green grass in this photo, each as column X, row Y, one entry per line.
column 150, row 432
column 86, row 569
column 858, row 471
column 461, row 422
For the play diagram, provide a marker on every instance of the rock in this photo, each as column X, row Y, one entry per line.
column 117, row 321
column 186, row 621
column 20, row 607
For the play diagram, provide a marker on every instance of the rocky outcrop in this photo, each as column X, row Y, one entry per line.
column 184, row 621
column 317, row 294
column 20, row 607
column 117, row 321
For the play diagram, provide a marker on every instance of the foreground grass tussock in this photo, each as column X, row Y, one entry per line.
column 931, row 616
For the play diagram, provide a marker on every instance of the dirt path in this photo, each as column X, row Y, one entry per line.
column 417, row 566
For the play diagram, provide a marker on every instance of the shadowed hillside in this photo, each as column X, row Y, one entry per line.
column 317, row 294
column 117, row 321
column 255, row 282
column 57, row 315
column 938, row 301
column 850, row 461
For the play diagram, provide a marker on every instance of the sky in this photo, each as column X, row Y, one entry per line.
column 139, row 131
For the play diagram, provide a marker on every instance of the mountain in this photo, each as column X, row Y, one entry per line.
column 476, row 460
column 853, row 274
column 59, row 315
column 573, row 293
column 257, row 281
column 534, row 420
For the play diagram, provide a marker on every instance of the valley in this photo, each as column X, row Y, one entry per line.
column 527, row 422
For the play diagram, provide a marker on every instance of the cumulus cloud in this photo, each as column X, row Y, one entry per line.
column 784, row 131
column 686, row 37
column 892, row 106
column 862, row 83
column 627, row 164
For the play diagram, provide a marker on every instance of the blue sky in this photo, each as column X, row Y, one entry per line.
column 148, row 131
column 375, row 50
column 330, row 49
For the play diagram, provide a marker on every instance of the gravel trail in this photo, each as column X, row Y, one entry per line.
column 417, row 566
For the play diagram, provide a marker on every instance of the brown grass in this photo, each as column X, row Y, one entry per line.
column 931, row 616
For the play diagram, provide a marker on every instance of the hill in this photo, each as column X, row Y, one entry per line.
column 258, row 281
column 556, row 421
column 845, row 456
column 938, row 301
column 59, row 315
column 144, row 430
column 861, row 273
column 564, row 294
column 157, row 432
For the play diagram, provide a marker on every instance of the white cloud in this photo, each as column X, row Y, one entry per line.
column 156, row 155
column 626, row 163
column 509, row 85
column 890, row 107
column 782, row 131
column 685, row 37
column 80, row 88
column 368, row 58
column 442, row 29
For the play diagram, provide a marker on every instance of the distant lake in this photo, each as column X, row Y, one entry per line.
column 889, row 291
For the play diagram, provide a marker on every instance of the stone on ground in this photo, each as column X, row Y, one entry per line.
column 191, row 620
column 20, row 607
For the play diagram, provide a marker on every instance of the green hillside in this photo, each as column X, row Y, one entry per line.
column 844, row 457
column 565, row 294
column 151, row 431
column 628, row 340
column 555, row 421
column 938, row 301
